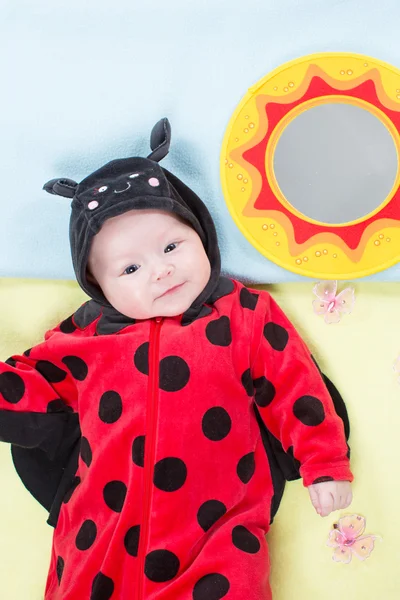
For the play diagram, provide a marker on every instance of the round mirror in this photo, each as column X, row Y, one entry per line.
column 336, row 163
column 310, row 165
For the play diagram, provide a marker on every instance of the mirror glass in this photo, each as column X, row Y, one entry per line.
column 335, row 162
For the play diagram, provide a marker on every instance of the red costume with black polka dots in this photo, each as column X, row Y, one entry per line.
column 172, row 495
column 160, row 447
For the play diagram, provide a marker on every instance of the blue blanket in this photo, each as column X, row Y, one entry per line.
column 83, row 83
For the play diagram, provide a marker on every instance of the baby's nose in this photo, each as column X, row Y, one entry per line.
column 163, row 271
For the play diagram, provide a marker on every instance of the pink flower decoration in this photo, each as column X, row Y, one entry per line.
column 347, row 539
column 329, row 304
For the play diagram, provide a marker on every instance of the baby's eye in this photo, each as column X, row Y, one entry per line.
column 131, row 269
column 170, row 247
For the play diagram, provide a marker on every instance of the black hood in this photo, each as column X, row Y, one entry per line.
column 134, row 183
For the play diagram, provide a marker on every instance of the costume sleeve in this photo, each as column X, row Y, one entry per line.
column 293, row 401
column 37, row 394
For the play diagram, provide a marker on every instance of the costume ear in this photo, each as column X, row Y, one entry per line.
column 61, row 187
column 160, row 140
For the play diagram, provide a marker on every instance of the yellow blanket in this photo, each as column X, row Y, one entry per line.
column 357, row 354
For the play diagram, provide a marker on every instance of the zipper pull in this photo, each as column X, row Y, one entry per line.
column 158, row 319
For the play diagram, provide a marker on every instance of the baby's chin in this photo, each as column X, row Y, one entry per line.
column 164, row 309
column 170, row 307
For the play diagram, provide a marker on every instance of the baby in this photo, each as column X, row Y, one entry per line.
column 177, row 378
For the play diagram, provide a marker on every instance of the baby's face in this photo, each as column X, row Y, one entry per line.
column 139, row 258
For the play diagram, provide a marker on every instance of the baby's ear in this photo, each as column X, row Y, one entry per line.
column 160, row 140
column 61, row 187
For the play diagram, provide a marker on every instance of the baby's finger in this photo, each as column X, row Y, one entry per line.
column 349, row 500
column 326, row 504
column 341, row 503
column 314, row 497
column 337, row 501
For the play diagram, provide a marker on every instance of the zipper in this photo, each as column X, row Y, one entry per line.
column 149, row 453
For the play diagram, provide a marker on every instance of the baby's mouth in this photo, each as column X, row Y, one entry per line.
column 172, row 290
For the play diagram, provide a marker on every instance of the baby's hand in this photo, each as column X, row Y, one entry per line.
column 330, row 495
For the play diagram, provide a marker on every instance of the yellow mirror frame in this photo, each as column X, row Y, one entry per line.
column 259, row 208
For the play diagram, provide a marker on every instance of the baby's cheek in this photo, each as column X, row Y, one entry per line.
column 118, row 296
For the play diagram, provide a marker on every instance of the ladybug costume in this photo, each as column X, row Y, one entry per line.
column 160, row 447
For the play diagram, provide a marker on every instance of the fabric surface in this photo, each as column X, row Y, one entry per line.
column 297, row 538
column 83, row 85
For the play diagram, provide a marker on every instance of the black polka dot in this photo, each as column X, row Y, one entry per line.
column 161, row 565
column 86, row 451
column 138, row 451
column 12, row 387
column 265, row 391
column 323, row 479
column 141, row 358
column 170, row 474
column 11, row 361
column 244, row 540
column 27, row 352
column 216, row 424
column 246, row 466
column 67, row 326
column 218, row 332
column 71, row 490
column 58, row 405
column 174, row 373
column 86, row 535
column 209, row 513
column 110, row 408
column 247, row 382
column 276, row 335
column 77, row 366
column 51, row 372
column 131, row 540
column 60, row 568
column 248, row 299
column 213, row 586
column 309, row 410
column 102, row 587
column 114, row 495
